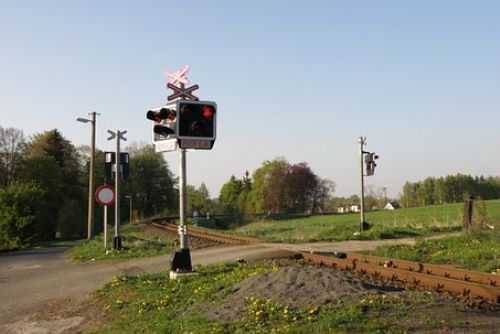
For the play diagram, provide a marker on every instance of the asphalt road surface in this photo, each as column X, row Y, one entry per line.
column 28, row 279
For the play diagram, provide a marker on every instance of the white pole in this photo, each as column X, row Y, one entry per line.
column 182, row 200
column 106, row 227
column 117, row 242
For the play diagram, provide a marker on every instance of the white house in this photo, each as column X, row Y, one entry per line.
column 349, row 208
column 393, row 205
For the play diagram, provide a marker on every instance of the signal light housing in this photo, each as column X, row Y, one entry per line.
column 196, row 120
column 160, row 114
column 370, row 158
column 164, row 126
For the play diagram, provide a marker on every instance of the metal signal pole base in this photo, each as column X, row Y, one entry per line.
column 364, row 226
column 181, row 261
column 117, row 243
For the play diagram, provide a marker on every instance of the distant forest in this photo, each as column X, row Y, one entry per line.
column 449, row 189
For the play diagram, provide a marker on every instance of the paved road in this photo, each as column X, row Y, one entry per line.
column 28, row 279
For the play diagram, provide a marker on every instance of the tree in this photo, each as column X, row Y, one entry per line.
column 300, row 184
column 11, row 145
column 323, row 196
column 280, row 187
column 198, row 199
column 228, row 196
column 268, row 193
column 53, row 144
column 52, row 162
column 22, row 215
column 151, row 179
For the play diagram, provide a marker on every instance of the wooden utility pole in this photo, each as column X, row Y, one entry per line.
column 468, row 206
column 362, row 183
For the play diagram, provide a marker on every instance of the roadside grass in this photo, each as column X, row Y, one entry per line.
column 153, row 303
column 477, row 250
column 410, row 222
column 135, row 244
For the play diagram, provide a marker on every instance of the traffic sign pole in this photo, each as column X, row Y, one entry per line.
column 105, row 196
column 106, row 227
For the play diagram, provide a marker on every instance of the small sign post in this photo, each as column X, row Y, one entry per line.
column 105, row 195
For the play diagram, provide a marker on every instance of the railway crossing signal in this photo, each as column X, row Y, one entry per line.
column 181, row 92
column 119, row 135
column 191, row 124
column 110, row 165
column 179, row 76
column 370, row 158
column 164, row 119
column 367, row 161
column 196, row 124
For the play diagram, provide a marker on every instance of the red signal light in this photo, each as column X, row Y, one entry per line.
column 208, row 112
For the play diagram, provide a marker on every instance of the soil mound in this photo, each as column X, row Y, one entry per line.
column 295, row 287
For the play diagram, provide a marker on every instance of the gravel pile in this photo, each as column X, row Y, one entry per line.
column 295, row 287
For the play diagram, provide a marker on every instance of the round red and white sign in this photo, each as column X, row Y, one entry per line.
column 105, row 195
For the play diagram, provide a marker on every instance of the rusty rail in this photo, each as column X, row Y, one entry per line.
column 429, row 269
column 487, row 292
column 211, row 236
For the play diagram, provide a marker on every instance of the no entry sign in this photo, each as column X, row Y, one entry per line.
column 105, row 195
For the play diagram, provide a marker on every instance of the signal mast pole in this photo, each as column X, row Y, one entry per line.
column 361, row 142
column 119, row 135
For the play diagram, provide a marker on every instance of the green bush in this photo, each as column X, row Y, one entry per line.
column 22, row 214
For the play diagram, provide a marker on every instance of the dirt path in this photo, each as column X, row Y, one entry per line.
column 351, row 245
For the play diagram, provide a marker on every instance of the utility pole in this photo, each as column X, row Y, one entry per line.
column 90, row 218
column 361, row 142
column 368, row 159
column 118, row 135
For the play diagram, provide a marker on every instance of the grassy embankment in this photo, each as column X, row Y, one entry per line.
column 135, row 244
column 411, row 222
column 477, row 250
column 155, row 304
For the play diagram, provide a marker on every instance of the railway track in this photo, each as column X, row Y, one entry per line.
column 464, row 283
column 209, row 235
column 413, row 275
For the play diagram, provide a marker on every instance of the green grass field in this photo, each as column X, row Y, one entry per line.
column 411, row 222
column 478, row 250
column 135, row 244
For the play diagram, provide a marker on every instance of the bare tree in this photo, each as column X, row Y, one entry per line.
column 11, row 145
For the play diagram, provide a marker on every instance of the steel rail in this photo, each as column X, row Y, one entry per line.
column 218, row 237
column 486, row 292
column 429, row 269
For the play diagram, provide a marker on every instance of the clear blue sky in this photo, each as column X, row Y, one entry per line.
column 297, row 79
